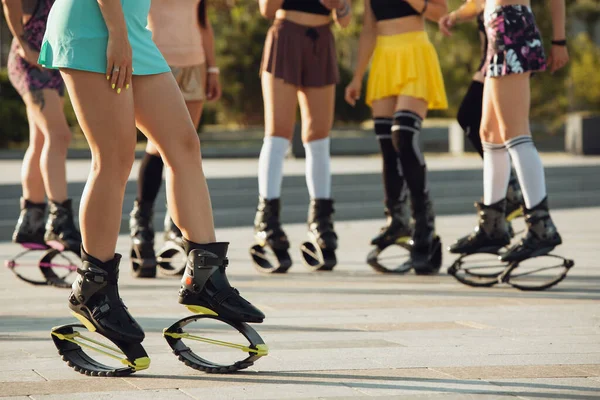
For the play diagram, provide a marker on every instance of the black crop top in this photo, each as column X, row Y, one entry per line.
column 390, row 9
column 307, row 6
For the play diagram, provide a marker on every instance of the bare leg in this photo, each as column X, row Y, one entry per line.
column 317, row 110
column 46, row 110
column 31, row 173
column 107, row 121
column 280, row 106
column 169, row 126
column 195, row 109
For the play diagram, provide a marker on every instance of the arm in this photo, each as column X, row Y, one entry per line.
column 118, row 50
column 268, row 8
column 468, row 11
column 366, row 45
column 213, row 86
column 343, row 14
column 13, row 11
column 559, row 55
column 435, row 10
column 557, row 9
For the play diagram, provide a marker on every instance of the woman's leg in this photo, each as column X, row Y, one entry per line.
column 46, row 108
column 396, row 205
column 50, row 119
column 169, row 126
column 317, row 111
column 408, row 119
column 511, row 97
column 31, row 173
column 30, row 226
column 470, row 113
column 280, row 104
column 107, row 120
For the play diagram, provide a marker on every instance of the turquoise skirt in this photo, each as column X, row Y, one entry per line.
column 76, row 37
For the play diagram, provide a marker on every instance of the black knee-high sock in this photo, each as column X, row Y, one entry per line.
column 149, row 178
column 469, row 114
column 393, row 180
column 405, row 137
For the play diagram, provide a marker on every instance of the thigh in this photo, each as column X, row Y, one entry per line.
column 418, row 106
column 46, row 108
column 317, row 109
column 489, row 131
column 280, row 100
column 511, row 97
column 384, row 108
column 195, row 109
column 105, row 117
column 164, row 119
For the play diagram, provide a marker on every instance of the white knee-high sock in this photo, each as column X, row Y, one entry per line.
column 318, row 169
column 496, row 172
column 530, row 170
column 270, row 166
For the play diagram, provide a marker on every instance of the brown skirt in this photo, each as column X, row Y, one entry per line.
column 300, row 55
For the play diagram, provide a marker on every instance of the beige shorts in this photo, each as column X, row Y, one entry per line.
column 191, row 81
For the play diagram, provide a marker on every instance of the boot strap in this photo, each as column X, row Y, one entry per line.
column 223, row 295
column 92, row 280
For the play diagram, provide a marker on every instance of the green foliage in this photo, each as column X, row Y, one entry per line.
column 240, row 33
column 13, row 117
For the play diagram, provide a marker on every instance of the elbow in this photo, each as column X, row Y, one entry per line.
column 9, row 3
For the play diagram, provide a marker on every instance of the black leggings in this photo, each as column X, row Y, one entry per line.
column 469, row 114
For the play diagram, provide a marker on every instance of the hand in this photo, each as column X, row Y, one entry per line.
column 213, row 87
column 119, row 66
column 446, row 23
column 30, row 55
column 559, row 57
column 333, row 4
column 353, row 92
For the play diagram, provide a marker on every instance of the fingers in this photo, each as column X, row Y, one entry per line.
column 351, row 96
column 128, row 77
column 122, row 77
column 109, row 68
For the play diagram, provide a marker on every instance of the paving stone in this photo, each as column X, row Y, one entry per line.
column 121, row 395
column 64, row 387
column 20, row 376
column 551, row 388
column 514, row 371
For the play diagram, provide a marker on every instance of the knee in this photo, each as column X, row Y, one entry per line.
column 58, row 139
column 405, row 131
column 115, row 165
column 185, row 152
column 311, row 133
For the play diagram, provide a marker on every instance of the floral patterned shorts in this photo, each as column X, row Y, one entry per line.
column 514, row 42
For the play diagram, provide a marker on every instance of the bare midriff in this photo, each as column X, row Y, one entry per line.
column 397, row 26
column 303, row 18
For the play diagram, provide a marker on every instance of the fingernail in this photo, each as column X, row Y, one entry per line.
column 107, row 77
column 119, row 91
column 113, row 85
column 127, row 86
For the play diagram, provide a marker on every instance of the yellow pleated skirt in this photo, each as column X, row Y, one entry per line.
column 406, row 64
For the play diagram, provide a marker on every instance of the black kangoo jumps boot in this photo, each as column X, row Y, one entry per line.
column 205, row 288
column 31, row 224
column 514, row 199
column 95, row 301
column 541, row 238
column 426, row 252
column 491, row 233
column 397, row 228
column 320, row 223
column 61, row 232
column 267, row 225
column 142, row 236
